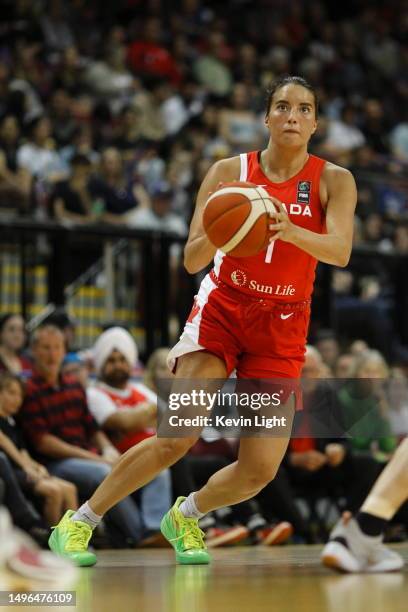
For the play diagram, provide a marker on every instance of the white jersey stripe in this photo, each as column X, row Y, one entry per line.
column 219, row 256
column 188, row 342
column 244, row 167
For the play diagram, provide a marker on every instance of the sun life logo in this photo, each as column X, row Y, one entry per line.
column 239, row 278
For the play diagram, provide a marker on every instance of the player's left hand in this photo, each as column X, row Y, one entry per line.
column 282, row 225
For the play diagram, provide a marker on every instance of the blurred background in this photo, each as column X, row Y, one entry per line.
column 111, row 113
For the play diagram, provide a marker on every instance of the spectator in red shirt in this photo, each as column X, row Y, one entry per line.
column 149, row 57
column 63, row 434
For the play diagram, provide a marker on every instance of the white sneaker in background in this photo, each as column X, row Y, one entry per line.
column 350, row 550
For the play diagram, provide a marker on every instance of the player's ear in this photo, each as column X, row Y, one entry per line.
column 267, row 119
column 315, row 127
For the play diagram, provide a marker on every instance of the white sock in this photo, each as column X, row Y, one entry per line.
column 87, row 515
column 189, row 509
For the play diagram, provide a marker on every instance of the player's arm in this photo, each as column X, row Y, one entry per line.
column 333, row 247
column 199, row 251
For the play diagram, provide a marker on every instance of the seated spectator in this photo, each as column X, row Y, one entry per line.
column 129, row 130
column 365, row 407
column 109, row 79
column 343, row 134
column 238, row 124
column 343, row 365
column 172, row 109
column 125, row 409
column 127, row 412
column 22, row 511
column 148, row 56
column 399, row 141
column 324, row 465
column 328, row 346
column 64, row 125
column 68, row 72
column 358, row 347
column 61, row 319
column 117, row 195
column 71, row 199
column 76, row 367
column 210, row 68
column 15, row 183
column 58, row 34
column 159, row 215
column 64, row 436
column 58, row 495
column 37, row 156
column 12, row 341
column 401, row 240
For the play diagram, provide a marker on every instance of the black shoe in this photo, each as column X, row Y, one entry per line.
column 40, row 535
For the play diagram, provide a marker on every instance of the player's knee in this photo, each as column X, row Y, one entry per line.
column 171, row 449
column 258, row 477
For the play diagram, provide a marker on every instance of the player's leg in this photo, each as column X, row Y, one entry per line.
column 140, row 464
column 355, row 544
column 257, row 464
column 144, row 461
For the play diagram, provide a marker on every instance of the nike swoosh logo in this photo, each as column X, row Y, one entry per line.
column 286, row 316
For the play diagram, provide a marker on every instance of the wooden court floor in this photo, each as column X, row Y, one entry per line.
column 248, row 579
column 282, row 579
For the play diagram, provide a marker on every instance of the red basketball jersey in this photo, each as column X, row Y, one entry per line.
column 282, row 271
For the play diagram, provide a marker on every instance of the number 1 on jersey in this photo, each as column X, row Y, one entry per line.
column 269, row 251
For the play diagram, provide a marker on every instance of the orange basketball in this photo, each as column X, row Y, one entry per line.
column 236, row 218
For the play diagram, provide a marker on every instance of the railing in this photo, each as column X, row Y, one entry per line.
column 157, row 307
column 151, row 305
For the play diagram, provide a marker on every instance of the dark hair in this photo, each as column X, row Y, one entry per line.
column 59, row 318
column 79, row 159
column 325, row 334
column 33, row 123
column 290, row 80
column 6, row 317
column 6, row 378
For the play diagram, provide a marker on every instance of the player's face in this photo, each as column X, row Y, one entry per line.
column 292, row 116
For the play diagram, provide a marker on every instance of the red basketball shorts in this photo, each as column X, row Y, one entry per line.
column 259, row 338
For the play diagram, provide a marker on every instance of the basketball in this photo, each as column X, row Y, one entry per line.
column 236, row 218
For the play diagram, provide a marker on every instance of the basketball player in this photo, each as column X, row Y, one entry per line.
column 250, row 314
column 355, row 544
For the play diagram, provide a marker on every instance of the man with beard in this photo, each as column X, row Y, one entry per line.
column 126, row 410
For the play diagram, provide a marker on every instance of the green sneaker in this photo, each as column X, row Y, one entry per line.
column 70, row 539
column 185, row 536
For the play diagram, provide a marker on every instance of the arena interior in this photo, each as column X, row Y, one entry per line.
column 111, row 114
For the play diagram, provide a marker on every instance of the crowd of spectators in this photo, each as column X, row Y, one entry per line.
column 113, row 113
column 101, row 104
